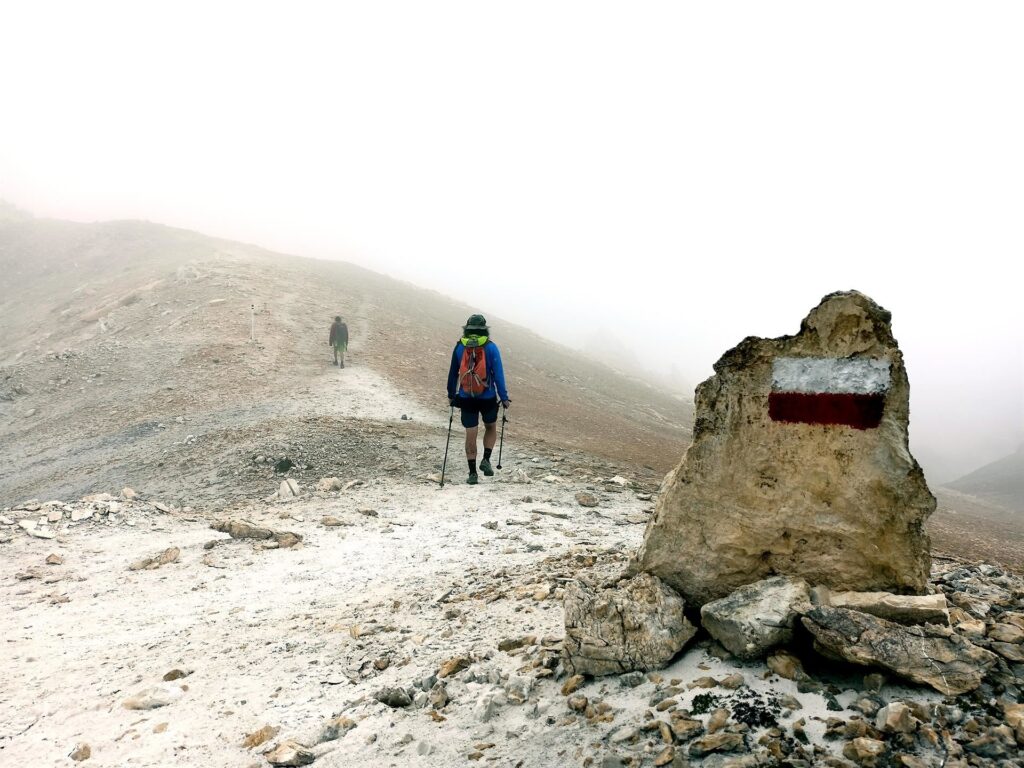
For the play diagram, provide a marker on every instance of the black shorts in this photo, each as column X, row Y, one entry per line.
column 472, row 409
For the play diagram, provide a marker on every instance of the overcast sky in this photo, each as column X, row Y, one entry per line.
column 683, row 175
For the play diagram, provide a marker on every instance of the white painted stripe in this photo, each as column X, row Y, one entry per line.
column 833, row 375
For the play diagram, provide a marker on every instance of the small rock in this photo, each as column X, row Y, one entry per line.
column 1006, row 633
column 128, row 494
column 518, row 642
column 438, row 696
column 328, row 484
column 577, row 702
column 263, row 735
column 703, row 682
column 489, row 703
column 572, row 684
column 622, row 734
column 290, row 753
column 289, row 489
column 329, row 521
column 396, row 698
column 453, row 666
column 54, row 559
column 717, row 720
column 896, row 718
column 864, row 751
column 716, row 742
column 666, row 756
column 368, row 511
column 156, row 696
column 335, row 728
column 732, row 682
column 78, row 515
column 585, row 499
column 785, row 664
column 177, row 674
column 81, row 752
column 788, row 701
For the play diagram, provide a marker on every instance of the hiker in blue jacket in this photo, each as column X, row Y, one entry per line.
column 476, row 384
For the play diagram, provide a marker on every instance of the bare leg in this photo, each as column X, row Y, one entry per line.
column 471, row 433
column 490, row 435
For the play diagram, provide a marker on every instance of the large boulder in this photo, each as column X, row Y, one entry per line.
column 799, row 466
column 927, row 654
column 758, row 617
column 638, row 625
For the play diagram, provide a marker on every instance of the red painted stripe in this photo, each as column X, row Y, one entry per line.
column 852, row 410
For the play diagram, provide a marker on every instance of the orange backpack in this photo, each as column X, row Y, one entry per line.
column 473, row 371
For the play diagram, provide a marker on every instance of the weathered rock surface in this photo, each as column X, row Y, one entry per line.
column 799, row 465
column 636, row 626
column 290, row 753
column 243, row 529
column 927, row 654
column 758, row 617
column 903, row 609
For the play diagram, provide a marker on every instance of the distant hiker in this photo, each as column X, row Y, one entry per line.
column 476, row 384
column 339, row 340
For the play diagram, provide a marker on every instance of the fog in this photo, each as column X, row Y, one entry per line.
column 671, row 178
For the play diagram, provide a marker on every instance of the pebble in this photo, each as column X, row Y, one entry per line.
column 81, row 752
column 156, row 696
column 572, row 684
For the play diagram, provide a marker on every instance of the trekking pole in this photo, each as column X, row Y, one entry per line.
column 501, row 444
column 444, row 466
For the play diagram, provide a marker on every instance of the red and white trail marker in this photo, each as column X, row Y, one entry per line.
column 829, row 390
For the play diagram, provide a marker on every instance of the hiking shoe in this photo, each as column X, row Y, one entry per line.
column 485, row 467
column 473, row 479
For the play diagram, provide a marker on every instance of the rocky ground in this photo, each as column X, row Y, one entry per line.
column 359, row 614
column 419, row 625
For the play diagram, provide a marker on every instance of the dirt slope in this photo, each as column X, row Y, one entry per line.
column 123, row 339
column 1000, row 482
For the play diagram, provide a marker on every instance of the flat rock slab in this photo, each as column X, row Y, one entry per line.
column 757, row 617
column 927, row 654
column 636, row 626
column 799, row 466
column 903, row 609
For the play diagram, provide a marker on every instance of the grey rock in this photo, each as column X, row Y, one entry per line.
column 927, row 654
column 896, row 718
column 438, row 696
column 154, row 697
column 757, row 617
column 396, row 698
column 903, row 609
column 636, row 626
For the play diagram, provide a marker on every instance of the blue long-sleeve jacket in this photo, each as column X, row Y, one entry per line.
column 495, row 374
